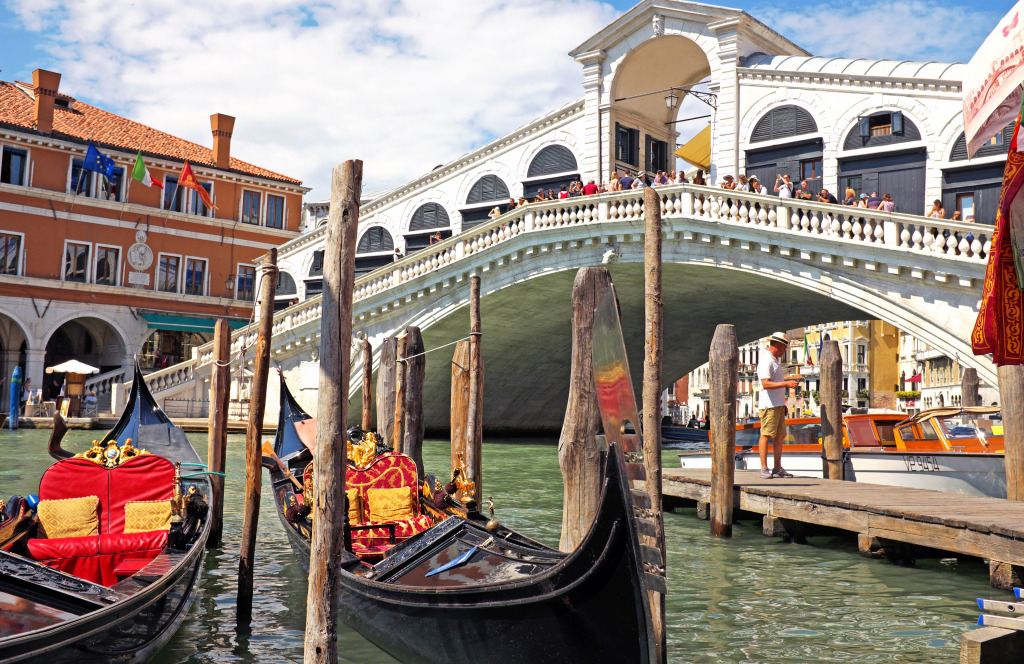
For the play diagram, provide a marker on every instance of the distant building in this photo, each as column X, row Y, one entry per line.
column 103, row 270
column 930, row 379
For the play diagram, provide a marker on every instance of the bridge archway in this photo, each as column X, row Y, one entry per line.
column 13, row 350
column 88, row 339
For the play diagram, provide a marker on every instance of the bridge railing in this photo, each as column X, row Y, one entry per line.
column 912, row 233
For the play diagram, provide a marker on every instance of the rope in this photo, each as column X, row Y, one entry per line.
column 203, row 474
column 472, row 334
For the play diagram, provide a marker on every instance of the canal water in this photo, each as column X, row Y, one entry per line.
column 747, row 599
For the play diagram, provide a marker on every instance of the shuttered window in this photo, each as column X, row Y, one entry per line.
column 880, row 129
column 552, row 159
column 627, row 145
column 317, row 268
column 376, row 238
column 783, row 122
column 428, row 216
column 998, row 144
column 487, row 188
column 285, row 284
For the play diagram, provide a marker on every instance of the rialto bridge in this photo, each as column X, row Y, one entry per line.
column 758, row 262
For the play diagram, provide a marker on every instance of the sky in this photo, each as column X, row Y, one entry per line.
column 404, row 85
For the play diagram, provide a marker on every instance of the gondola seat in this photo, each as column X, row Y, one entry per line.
column 147, row 478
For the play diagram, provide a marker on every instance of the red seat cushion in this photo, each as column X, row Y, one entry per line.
column 64, row 547
column 122, row 542
column 403, row 530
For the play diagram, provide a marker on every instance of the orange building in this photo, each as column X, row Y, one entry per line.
column 102, row 270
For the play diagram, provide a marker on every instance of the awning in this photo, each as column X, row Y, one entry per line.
column 916, row 378
column 176, row 323
column 697, row 150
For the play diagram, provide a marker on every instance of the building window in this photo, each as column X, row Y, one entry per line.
column 172, row 194
column 13, row 166
column 106, row 265
column 195, row 276
column 196, row 204
column 316, row 268
column 251, row 207
column 76, row 262
column 810, row 169
column 657, row 155
column 111, row 189
column 81, row 179
column 881, row 124
column 627, row 145
column 275, row 211
column 861, row 351
column 167, row 274
column 246, row 283
column 10, row 250
column 965, row 204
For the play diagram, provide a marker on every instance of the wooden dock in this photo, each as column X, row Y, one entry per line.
column 889, row 521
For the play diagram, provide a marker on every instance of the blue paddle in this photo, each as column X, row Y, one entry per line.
column 458, row 561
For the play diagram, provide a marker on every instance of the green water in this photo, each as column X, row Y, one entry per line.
column 747, row 599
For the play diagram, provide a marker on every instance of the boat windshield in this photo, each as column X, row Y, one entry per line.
column 861, row 433
column 965, row 426
column 803, row 434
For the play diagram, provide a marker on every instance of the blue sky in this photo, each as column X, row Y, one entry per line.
column 403, row 84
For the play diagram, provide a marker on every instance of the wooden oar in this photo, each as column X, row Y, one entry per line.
column 268, row 451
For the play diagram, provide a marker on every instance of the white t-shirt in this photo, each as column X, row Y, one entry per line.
column 785, row 190
column 768, row 367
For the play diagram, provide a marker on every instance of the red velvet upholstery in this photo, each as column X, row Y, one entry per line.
column 147, row 477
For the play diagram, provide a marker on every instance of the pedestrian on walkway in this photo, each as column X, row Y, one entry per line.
column 772, row 403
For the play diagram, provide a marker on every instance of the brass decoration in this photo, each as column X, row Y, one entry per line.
column 465, row 485
column 177, row 500
column 111, row 456
column 129, row 451
column 492, row 525
column 363, row 453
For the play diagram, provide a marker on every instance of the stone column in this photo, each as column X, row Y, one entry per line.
column 594, row 158
column 34, row 368
column 724, row 83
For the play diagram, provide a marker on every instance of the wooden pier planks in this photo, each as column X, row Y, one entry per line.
column 972, row 525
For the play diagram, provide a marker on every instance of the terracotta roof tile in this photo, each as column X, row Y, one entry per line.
column 82, row 123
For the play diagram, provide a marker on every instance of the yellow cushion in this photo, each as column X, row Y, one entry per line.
column 390, row 504
column 355, row 511
column 69, row 517
column 142, row 516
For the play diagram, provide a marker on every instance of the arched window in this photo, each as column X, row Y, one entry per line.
column 882, row 128
column 998, row 144
column 487, row 188
column 783, row 122
column 376, row 238
column 285, row 284
column 552, row 159
column 428, row 216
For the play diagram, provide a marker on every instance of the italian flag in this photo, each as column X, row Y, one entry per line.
column 141, row 173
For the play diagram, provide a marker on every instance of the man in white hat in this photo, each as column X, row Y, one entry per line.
column 772, row 403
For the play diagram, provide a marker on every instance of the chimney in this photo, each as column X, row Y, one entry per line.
column 222, row 126
column 44, row 87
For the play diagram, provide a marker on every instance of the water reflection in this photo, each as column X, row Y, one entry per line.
column 748, row 599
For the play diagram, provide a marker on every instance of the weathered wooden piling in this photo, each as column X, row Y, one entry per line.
column 459, row 413
column 831, row 391
column 724, row 361
column 415, row 374
column 401, row 344
column 969, row 388
column 217, row 440
column 386, row 391
column 578, row 453
column 991, row 645
column 474, row 415
column 1011, row 400
column 326, row 541
column 253, row 446
column 366, row 422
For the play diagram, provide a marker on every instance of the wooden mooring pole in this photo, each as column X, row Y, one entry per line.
column 366, row 424
column 474, row 415
column 399, row 424
column 415, row 373
column 217, row 440
column 724, row 361
column 969, row 388
column 1011, row 400
column 386, row 391
column 459, row 413
column 253, row 446
column 831, row 362
column 653, row 338
column 326, row 542
column 578, row 454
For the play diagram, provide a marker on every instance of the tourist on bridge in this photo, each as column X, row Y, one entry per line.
column 937, row 210
column 728, row 184
column 743, row 184
column 590, row 188
column 863, row 202
column 888, row 205
column 825, row 197
column 804, row 192
column 563, row 192
column 783, row 187
column 874, row 201
column 851, row 197
column 699, row 178
column 772, row 404
column 756, row 187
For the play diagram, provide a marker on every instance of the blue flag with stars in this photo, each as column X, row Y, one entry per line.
column 99, row 162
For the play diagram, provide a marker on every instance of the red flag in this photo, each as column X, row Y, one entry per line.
column 187, row 179
column 999, row 328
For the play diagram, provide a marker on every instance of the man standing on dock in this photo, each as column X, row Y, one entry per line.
column 772, row 403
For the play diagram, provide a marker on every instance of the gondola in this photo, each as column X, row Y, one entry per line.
column 104, row 563
column 469, row 590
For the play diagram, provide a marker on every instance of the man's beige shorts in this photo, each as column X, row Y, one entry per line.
column 773, row 421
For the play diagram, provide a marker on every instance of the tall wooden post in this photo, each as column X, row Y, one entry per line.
column 578, row 454
column 1011, row 399
column 653, row 337
column 724, row 360
column 326, row 542
column 386, row 391
column 217, row 440
column 474, row 418
column 969, row 388
column 367, row 420
column 400, row 375
column 459, row 413
column 415, row 373
column 831, row 368
column 253, row 446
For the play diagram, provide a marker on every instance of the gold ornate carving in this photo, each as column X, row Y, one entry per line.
column 177, row 500
column 365, row 452
column 111, row 456
column 466, row 485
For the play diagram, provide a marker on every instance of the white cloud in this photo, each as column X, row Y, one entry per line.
column 401, row 84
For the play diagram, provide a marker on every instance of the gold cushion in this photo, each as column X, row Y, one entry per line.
column 390, row 504
column 142, row 516
column 355, row 512
column 69, row 517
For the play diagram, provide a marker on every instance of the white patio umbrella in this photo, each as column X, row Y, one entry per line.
column 72, row 366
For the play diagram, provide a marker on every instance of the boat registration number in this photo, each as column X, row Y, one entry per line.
column 926, row 464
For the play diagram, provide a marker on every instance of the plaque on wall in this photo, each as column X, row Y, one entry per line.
column 138, row 278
